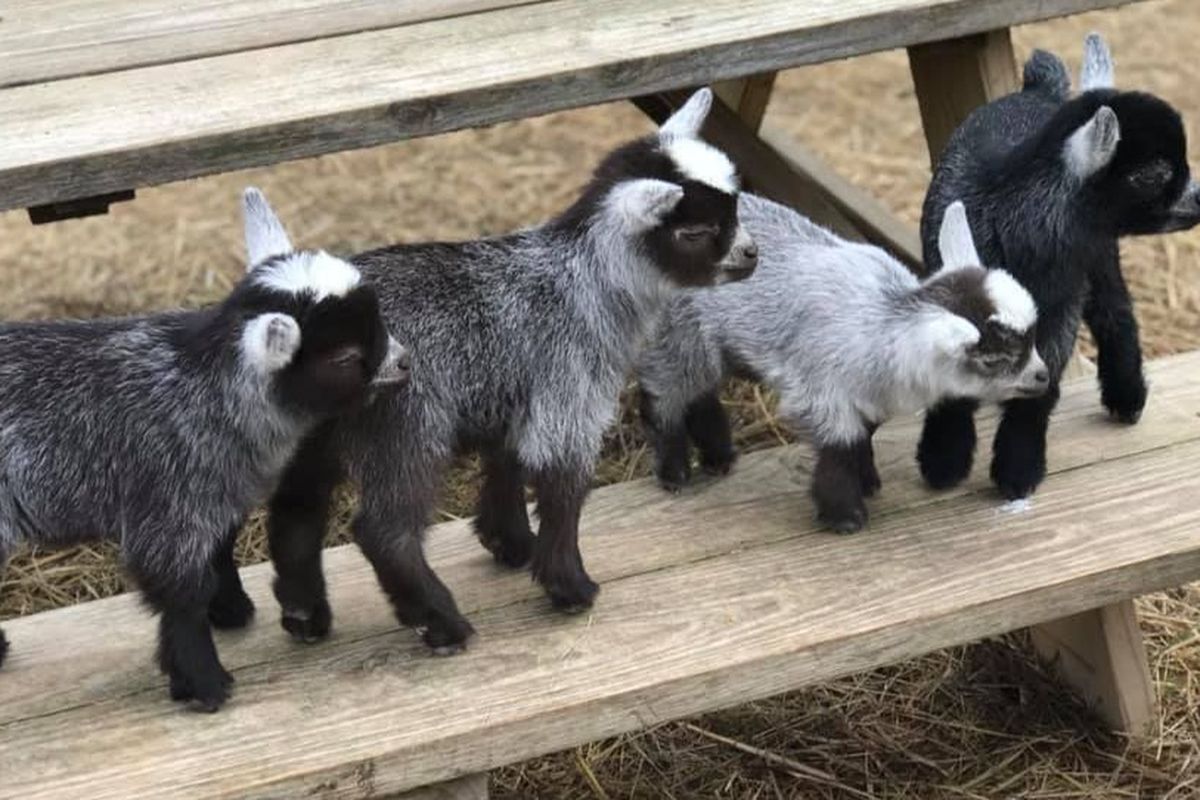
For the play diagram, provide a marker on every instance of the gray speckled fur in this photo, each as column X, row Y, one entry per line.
column 838, row 329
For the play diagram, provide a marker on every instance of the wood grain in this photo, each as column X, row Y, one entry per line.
column 41, row 42
column 1100, row 653
column 955, row 76
column 719, row 596
column 94, row 134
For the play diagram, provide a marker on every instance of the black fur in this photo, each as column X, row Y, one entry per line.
column 502, row 522
column 843, row 476
column 708, row 426
column 1057, row 234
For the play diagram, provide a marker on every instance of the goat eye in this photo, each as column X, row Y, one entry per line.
column 696, row 234
column 347, row 358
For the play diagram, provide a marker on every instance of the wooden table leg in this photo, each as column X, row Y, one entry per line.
column 1099, row 653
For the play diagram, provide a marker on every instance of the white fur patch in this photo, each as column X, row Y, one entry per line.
column 1019, row 506
column 950, row 333
column 269, row 341
column 265, row 234
column 1089, row 149
column 702, row 162
column 314, row 272
column 641, row 204
column 689, row 119
column 1097, row 71
column 1014, row 307
column 956, row 246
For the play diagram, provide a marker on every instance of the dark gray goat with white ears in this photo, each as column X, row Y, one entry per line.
column 1051, row 182
column 521, row 346
column 163, row 432
column 847, row 337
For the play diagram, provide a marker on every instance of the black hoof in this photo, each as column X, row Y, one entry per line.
column 205, row 692
column 1017, row 473
column 513, row 550
column 673, row 478
column 231, row 612
column 448, row 637
column 1124, row 398
column 718, row 464
column 308, row 625
column 573, row 595
column 845, row 520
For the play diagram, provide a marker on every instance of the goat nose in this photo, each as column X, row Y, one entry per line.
column 1041, row 376
column 750, row 251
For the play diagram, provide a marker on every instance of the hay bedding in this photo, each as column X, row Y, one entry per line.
column 983, row 721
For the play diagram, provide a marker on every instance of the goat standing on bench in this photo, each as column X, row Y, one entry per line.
column 847, row 337
column 521, row 346
column 1051, row 183
column 163, row 432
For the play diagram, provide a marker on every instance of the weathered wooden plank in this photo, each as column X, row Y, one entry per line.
column 90, row 135
column 617, row 521
column 40, row 41
column 376, row 714
column 712, row 598
column 748, row 97
column 1101, row 654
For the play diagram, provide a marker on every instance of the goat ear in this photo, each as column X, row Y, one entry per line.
column 643, row 203
column 956, row 246
column 269, row 341
column 950, row 334
column 688, row 120
column 265, row 236
column 1097, row 71
column 1092, row 146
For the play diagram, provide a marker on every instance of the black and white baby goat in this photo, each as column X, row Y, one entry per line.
column 1051, row 183
column 163, row 432
column 521, row 346
column 847, row 337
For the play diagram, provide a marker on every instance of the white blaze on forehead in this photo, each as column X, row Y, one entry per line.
column 1014, row 307
column 702, row 162
column 312, row 272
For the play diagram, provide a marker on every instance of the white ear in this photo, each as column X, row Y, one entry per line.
column 951, row 334
column 1089, row 149
column 955, row 243
column 265, row 236
column 269, row 341
column 1097, row 71
column 642, row 204
column 688, row 120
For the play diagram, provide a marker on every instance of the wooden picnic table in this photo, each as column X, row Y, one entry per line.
column 727, row 597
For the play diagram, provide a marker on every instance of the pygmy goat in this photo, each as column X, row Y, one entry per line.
column 1051, row 183
column 521, row 347
column 847, row 337
column 163, row 432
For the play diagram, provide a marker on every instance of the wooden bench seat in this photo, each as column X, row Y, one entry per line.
column 724, row 594
column 106, row 95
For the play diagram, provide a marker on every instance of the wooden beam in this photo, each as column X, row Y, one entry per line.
column 748, row 97
column 955, row 76
column 1100, row 653
column 110, row 35
column 89, row 135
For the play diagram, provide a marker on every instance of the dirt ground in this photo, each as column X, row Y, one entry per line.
column 983, row 721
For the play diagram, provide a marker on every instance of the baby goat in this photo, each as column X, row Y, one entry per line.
column 847, row 337
column 1052, row 182
column 162, row 432
column 521, row 347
